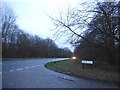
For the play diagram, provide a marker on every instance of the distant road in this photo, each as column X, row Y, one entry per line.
column 31, row 73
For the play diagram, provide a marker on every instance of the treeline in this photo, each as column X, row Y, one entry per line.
column 18, row 44
column 24, row 45
column 94, row 30
column 102, row 39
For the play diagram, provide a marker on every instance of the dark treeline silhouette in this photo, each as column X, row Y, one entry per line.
column 94, row 30
column 32, row 46
column 18, row 44
column 102, row 35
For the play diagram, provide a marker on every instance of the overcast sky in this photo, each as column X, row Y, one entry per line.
column 32, row 16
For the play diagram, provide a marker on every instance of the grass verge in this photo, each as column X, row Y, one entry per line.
column 102, row 72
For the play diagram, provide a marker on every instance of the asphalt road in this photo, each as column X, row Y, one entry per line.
column 0, row 73
column 31, row 73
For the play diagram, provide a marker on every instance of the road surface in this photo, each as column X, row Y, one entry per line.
column 0, row 73
column 31, row 73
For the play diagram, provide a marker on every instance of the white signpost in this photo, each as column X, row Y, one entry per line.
column 88, row 62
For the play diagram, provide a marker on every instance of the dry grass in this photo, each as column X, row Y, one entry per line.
column 100, row 71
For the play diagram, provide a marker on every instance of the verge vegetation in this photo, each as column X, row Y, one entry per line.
column 99, row 71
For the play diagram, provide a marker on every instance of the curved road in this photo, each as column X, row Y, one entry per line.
column 31, row 73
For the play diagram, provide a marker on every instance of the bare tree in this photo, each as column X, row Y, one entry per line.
column 8, row 28
column 94, row 23
column 77, row 22
column 8, row 22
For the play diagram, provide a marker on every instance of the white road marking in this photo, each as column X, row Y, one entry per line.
column 11, row 70
column 27, row 67
column 33, row 66
column 19, row 69
column 38, row 65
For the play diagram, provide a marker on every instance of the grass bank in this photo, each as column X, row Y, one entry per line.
column 99, row 71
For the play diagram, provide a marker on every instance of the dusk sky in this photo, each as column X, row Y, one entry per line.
column 32, row 16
